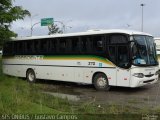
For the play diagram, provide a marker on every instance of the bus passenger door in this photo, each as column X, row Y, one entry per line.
column 123, row 72
column 123, row 77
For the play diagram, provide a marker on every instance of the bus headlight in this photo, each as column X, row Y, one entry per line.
column 139, row 75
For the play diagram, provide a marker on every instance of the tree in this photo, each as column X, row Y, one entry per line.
column 53, row 29
column 8, row 14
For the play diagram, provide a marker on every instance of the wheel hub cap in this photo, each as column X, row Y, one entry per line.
column 31, row 77
column 101, row 82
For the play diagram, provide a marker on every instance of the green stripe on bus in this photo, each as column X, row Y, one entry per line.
column 80, row 57
column 66, row 57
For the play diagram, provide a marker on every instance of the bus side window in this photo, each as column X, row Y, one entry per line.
column 123, row 56
column 74, row 45
column 98, row 43
column 25, row 47
column 37, row 46
column 32, row 52
column 118, row 39
column 85, row 44
column 53, row 46
column 20, row 48
column 63, row 45
column 29, row 47
column 15, row 48
column 118, row 50
column 8, row 48
column 43, row 46
column 112, row 53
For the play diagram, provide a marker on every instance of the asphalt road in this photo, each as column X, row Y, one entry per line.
column 146, row 96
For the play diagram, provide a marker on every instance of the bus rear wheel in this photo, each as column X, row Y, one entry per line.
column 31, row 77
column 100, row 82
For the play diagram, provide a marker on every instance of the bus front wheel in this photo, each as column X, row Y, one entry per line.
column 31, row 77
column 100, row 82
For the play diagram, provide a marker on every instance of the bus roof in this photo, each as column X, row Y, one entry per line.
column 158, row 38
column 89, row 32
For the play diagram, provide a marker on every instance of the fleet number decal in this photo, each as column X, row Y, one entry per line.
column 91, row 63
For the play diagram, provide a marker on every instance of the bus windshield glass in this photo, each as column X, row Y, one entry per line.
column 145, row 51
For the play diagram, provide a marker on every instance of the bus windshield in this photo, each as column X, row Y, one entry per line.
column 144, row 52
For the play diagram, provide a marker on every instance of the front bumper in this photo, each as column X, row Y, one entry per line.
column 137, row 82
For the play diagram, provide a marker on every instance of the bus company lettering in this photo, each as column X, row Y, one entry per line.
column 28, row 57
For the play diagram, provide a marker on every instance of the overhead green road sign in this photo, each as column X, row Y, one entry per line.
column 46, row 21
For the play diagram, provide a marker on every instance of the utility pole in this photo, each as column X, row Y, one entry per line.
column 33, row 26
column 31, row 17
column 142, row 5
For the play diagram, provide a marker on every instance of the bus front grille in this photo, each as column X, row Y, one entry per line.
column 148, row 81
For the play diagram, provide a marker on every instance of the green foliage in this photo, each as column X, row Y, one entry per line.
column 8, row 14
column 53, row 29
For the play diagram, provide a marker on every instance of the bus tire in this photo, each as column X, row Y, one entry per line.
column 100, row 82
column 31, row 76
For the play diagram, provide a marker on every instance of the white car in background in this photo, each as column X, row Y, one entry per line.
column 0, row 52
column 157, row 41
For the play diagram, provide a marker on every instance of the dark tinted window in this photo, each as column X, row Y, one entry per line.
column 53, row 46
column 98, row 43
column 37, row 46
column 18, row 46
column 118, row 50
column 117, row 39
column 62, row 45
column 123, row 56
column 74, row 44
column 44, row 46
column 8, row 48
column 86, row 44
column 112, row 54
column 29, row 47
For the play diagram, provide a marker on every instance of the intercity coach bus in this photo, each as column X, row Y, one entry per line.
column 103, row 58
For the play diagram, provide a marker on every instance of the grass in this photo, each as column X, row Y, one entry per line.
column 17, row 96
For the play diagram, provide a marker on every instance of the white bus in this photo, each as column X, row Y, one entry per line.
column 157, row 41
column 103, row 58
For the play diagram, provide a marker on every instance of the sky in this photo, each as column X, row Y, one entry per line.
column 83, row 15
